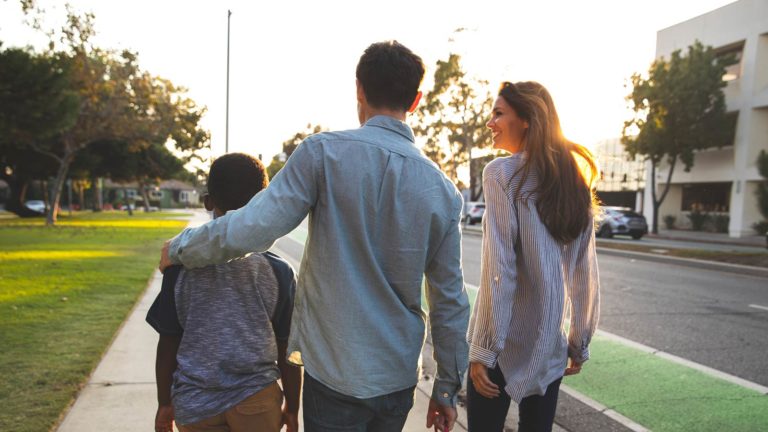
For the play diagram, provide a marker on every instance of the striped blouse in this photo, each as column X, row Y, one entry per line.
column 529, row 283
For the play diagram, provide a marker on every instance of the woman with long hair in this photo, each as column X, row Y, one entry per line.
column 538, row 265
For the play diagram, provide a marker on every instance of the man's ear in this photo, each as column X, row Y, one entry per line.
column 360, row 92
column 208, row 202
column 415, row 103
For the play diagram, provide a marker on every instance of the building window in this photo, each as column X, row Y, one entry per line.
column 707, row 197
column 733, row 71
column 155, row 195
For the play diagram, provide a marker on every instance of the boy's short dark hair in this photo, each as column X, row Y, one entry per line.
column 234, row 179
column 390, row 74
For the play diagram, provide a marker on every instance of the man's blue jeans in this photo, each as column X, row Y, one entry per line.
column 326, row 410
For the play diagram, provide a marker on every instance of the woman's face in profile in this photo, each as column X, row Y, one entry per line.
column 508, row 129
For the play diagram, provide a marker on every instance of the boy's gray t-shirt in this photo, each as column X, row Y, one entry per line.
column 230, row 316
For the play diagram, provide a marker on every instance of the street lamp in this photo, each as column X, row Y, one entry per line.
column 226, row 130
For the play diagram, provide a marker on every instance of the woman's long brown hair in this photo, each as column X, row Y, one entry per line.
column 565, row 170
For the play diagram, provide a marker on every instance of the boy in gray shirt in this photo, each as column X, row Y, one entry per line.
column 224, row 328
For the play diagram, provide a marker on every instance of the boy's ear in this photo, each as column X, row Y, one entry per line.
column 208, row 202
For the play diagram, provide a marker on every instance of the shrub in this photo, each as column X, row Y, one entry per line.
column 669, row 221
column 761, row 227
column 721, row 222
column 698, row 219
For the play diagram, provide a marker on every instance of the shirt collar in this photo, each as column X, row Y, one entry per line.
column 392, row 124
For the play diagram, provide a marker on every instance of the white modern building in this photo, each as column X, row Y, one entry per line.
column 622, row 180
column 724, row 180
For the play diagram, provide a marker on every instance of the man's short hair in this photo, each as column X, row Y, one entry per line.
column 390, row 75
column 234, row 179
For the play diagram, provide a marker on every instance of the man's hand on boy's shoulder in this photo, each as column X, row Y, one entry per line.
column 164, row 418
column 165, row 259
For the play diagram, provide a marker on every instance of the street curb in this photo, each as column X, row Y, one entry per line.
column 689, row 262
column 710, row 240
column 471, row 230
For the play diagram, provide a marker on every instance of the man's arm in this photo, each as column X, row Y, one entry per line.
column 291, row 378
column 165, row 365
column 448, row 314
column 271, row 214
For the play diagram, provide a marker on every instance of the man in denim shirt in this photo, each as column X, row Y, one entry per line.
column 381, row 218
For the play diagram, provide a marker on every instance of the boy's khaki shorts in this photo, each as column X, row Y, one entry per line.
column 260, row 412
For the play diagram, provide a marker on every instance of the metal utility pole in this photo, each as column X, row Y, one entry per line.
column 226, row 132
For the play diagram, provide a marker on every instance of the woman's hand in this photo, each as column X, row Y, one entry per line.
column 573, row 368
column 482, row 382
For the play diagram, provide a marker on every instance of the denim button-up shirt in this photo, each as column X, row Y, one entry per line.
column 381, row 218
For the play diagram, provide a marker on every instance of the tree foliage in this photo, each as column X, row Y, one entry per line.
column 679, row 109
column 36, row 104
column 83, row 96
column 289, row 145
column 453, row 116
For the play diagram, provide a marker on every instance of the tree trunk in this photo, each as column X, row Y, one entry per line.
column 81, row 196
column 58, row 185
column 98, row 199
column 144, row 195
column 655, row 221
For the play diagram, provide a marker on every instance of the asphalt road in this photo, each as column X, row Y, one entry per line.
column 701, row 315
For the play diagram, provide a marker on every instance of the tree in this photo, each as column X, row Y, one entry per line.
column 453, row 118
column 161, row 115
column 289, row 145
column 116, row 101
column 678, row 109
column 36, row 104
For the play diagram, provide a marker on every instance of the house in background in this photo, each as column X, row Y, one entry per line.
column 168, row 194
column 724, row 180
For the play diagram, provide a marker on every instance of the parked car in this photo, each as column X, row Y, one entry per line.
column 621, row 221
column 36, row 206
column 473, row 212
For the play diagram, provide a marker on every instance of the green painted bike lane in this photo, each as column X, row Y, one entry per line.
column 654, row 392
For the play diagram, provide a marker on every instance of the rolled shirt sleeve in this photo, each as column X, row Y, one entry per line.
column 584, row 296
column 448, row 313
column 498, row 279
column 269, row 215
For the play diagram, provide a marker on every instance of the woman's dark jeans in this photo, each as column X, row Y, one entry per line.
column 326, row 410
column 537, row 413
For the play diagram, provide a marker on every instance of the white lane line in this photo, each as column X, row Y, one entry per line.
column 681, row 361
column 603, row 409
column 758, row 307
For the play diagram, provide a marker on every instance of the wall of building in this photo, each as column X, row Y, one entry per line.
column 740, row 24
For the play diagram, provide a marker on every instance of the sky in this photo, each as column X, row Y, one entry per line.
column 293, row 62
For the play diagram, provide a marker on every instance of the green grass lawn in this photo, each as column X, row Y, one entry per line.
column 64, row 291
